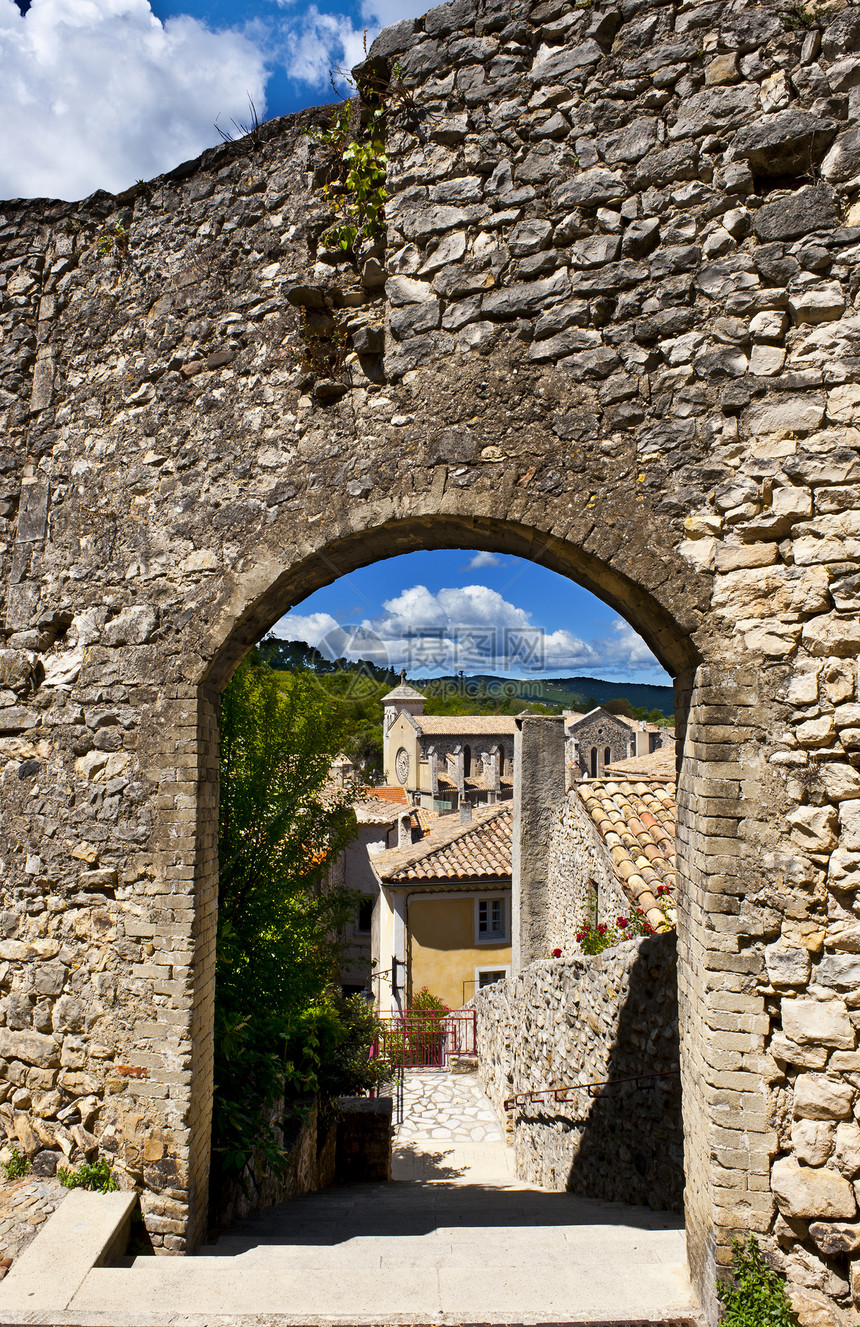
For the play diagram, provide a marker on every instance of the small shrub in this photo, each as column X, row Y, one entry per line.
column 96, row 1175
column 799, row 17
column 758, row 1297
column 113, row 240
column 17, row 1166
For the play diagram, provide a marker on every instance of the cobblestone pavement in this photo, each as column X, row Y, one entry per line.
column 24, row 1206
column 443, row 1107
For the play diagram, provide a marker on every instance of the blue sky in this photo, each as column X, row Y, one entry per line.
column 437, row 612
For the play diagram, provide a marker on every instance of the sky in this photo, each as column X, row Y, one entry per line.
column 437, row 612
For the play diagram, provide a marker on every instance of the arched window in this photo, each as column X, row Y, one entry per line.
column 607, row 757
column 594, row 762
column 500, row 758
column 467, row 761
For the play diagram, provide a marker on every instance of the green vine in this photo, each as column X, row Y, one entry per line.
column 799, row 17
column 355, row 186
column 17, row 1166
column 96, row 1175
column 113, row 239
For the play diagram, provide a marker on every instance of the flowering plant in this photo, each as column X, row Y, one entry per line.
column 556, row 953
column 594, row 939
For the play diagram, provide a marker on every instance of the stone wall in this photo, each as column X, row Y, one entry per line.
column 600, row 733
column 565, row 1021
column 618, row 335
column 310, row 1165
column 580, row 884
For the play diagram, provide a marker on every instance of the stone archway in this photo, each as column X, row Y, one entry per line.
column 617, row 333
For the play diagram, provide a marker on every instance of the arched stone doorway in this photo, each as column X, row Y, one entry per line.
column 650, row 609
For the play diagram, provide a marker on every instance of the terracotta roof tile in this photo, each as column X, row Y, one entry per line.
column 480, row 849
column 636, row 818
column 389, row 792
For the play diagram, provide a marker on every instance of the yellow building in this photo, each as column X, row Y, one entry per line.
column 445, row 910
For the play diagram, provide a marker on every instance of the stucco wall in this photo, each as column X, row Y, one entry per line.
column 443, row 954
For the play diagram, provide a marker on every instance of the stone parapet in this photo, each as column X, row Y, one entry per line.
column 587, row 1020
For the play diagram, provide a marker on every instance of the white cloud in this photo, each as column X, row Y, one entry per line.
column 98, row 93
column 318, row 45
column 473, row 628
column 482, row 560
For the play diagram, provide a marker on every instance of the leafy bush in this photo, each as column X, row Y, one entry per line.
column 758, row 1297
column 96, row 1175
column 280, row 1032
column 17, row 1166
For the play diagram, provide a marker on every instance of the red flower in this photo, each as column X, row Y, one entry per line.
column 622, row 922
column 556, row 953
column 601, row 927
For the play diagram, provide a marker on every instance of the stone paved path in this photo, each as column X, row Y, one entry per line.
column 24, row 1207
column 456, row 1238
column 443, row 1107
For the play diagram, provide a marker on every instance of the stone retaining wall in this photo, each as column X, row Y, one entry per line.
column 579, row 1020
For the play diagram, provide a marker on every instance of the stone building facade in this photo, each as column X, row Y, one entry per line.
column 448, row 761
column 614, row 329
column 596, row 740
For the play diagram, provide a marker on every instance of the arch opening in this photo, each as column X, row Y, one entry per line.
column 670, row 642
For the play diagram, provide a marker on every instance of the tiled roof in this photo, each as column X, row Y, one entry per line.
column 480, row 849
column 424, row 817
column 659, row 764
column 403, row 692
column 636, row 820
column 463, row 725
column 389, row 792
column 379, row 806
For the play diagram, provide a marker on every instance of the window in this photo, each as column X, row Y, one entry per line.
column 491, row 920
column 488, row 976
column 607, row 757
column 365, row 915
column 594, row 762
column 500, row 760
column 467, row 762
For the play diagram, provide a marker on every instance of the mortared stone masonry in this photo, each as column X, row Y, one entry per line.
column 614, row 329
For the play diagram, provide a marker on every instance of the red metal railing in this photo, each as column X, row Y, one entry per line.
column 424, row 1039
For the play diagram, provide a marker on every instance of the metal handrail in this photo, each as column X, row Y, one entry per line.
column 558, row 1093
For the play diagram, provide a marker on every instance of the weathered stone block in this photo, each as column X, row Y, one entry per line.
column 817, row 1097
column 31, row 1047
column 802, row 1191
column 818, row 1022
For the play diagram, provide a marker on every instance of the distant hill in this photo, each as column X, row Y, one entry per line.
column 567, row 692
column 477, row 693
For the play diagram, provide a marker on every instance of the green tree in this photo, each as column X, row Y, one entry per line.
column 280, row 827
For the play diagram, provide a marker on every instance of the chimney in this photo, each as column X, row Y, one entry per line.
column 539, row 789
column 465, row 812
